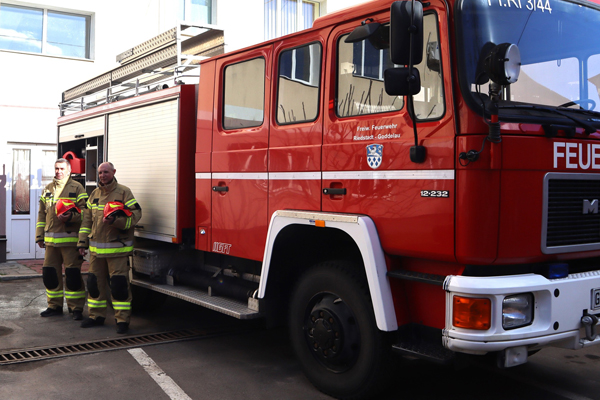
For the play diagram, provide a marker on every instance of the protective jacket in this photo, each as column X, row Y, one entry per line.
column 109, row 240
column 49, row 228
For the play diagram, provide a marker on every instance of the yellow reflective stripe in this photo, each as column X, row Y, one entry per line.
column 131, row 202
column 74, row 295
column 54, row 294
column 100, row 207
column 111, row 251
column 96, row 304
column 89, row 205
column 121, row 305
column 128, row 223
column 82, row 196
column 85, row 230
column 60, row 240
column 40, row 224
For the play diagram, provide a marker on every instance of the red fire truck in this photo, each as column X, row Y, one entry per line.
column 410, row 177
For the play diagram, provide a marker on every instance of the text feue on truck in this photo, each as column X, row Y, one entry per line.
column 404, row 177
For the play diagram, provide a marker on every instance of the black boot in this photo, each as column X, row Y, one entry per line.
column 122, row 327
column 90, row 322
column 77, row 315
column 51, row 312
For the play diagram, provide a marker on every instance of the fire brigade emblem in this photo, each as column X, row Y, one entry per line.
column 374, row 155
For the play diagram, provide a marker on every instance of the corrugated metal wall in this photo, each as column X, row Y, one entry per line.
column 142, row 144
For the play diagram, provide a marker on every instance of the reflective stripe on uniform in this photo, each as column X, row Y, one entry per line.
column 55, row 294
column 111, row 250
column 60, row 240
column 130, row 203
column 96, row 303
column 82, row 196
column 85, row 230
column 61, row 237
column 40, row 225
column 75, row 295
column 121, row 305
column 128, row 223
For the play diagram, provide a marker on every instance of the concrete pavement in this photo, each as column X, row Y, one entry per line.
column 26, row 269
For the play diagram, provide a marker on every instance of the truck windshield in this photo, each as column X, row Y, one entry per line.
column 559, row 42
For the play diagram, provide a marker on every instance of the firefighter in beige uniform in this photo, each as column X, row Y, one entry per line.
column 110, row 241
column 57, row 228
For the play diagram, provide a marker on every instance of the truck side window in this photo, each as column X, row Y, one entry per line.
column 429, row 102
column 360, row 88
column 298, row 86
column 244, row 94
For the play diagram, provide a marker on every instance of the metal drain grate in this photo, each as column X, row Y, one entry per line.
column 45, row 353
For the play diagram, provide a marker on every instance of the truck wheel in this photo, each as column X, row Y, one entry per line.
column 334, row 333
column 145, row 299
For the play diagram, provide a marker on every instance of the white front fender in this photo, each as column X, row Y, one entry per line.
column 364, row 233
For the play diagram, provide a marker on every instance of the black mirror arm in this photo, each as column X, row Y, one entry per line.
column 417, row 153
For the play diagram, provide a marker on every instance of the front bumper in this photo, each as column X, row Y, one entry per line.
column 559, row 305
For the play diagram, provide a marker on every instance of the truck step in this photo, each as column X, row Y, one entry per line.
column 231, row 307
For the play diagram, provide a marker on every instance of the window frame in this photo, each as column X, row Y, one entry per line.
column 303, row 82
column 298, row 20
column 224, row 97
column 187, row 11
column 337, row 42
column 44, row 40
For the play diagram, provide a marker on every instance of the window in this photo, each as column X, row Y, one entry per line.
column 196, row 11
column 288, row 16
column 298, row 85
column 370, row 62
column 244, row 94
column 360, row 80
column 21, row 173
column 429, row 102
column 43, row 31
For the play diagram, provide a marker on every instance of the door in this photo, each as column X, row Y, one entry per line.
column 239, row 160
column 297, row 122
column 369, row 134
column 30, row 168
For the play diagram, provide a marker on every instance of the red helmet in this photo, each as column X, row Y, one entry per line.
column 64, row 205
column 114, row 206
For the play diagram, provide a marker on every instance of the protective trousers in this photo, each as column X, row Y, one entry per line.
column 112, row 272
column 53, row 279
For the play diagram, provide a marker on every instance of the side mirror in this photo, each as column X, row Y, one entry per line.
column 402, row 81
column 403, row 23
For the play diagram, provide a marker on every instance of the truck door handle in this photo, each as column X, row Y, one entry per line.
column 220, row 188
column 332, row 191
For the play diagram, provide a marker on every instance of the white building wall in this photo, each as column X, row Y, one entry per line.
column 31, row 84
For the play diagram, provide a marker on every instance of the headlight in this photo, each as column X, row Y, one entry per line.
column 517, row 310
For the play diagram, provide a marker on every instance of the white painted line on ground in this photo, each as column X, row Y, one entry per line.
column 167, row 384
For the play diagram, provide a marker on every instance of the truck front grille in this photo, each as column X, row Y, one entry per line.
column 571, row 218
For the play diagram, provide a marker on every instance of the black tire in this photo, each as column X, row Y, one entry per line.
column 334, row 334
column 145, row 299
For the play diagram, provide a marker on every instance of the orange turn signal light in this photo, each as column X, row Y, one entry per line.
column 471, row 313
column 320, row 223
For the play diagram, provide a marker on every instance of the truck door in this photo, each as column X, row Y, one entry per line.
column 239, row 159
column 297, row 124
column 368, row 135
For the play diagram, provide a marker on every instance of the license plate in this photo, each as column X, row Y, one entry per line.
column 596, row 299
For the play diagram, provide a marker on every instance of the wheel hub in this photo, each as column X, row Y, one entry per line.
column 331, row 332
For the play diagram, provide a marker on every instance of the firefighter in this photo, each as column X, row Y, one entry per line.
column 57, row 228
column 107, row 230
